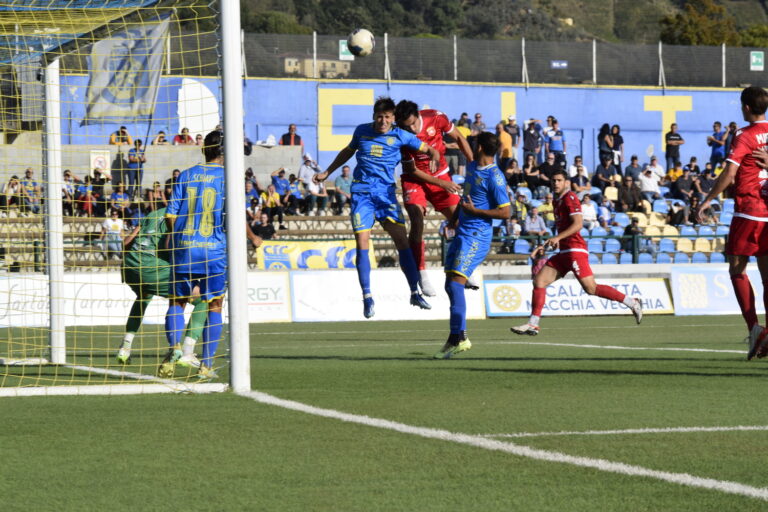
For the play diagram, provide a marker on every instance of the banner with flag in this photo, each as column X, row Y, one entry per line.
column 125, row 73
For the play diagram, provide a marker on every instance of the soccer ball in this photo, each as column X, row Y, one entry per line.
column 361, row 42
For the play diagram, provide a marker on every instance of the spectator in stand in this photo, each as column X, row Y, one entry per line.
column 251, row 193
column 120, row 201
column 199, row 139
column 514, row 174
column 605, row 212
column 588, row 212
column 478, row 125
column 160, row 139
column 546, row 170
column 684, row 186
column 534, row 224
column 630, row 199
column 555, row 143
column 264, row 228
column 112, row 235
column 121, row 137
column 514, row 131
column 531, row 172
column 291, row 138
column 32, row 192
column 547, row 211
column 317, row 198
column 656, row 168
column 11, row 194
column 630, row 231
column 247, row 146
column 633, row 169
column 293, row 199
column 514, row 230
column 343, row 192
column 68, row 194
column 170, row 182
column 649, row 185
column 693, row 166
column 307, row 170
column 580, row 183
column 520, row 206
column 673, row 174
column 618, row 146
column 99, row 184
column 156, row 197
column 250, row 177
column 605, row 142
column 673, row 141
column 732, row 129
column 253, row 213
column 278, row 180
column 573, row 170
column 717, row 142
column 183, row 138
column 532, row 141
column 85, row 200
column 272, row 205
column 707, row 215
column 678, row 214
column 463, row 127
column 605, row 174
column 505, row 146
column 135, row 174
column 452, row 153
column 706, row 181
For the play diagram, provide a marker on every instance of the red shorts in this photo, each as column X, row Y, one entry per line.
column 747, row 237
column 418, row 193
column 576, row 262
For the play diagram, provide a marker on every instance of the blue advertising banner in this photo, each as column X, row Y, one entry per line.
column 708, row 291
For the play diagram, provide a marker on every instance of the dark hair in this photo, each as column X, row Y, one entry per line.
column 617, row 128
column 604, row 130
column 561, row 172
column 213, row 146
column 488, row 143
column 383, row 104
column 404, row 110
column 756, row 99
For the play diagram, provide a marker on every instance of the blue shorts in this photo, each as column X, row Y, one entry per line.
column 211, row 286
column 465, row 254
column 367, row 207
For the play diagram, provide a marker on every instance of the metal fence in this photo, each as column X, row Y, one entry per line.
column 516, row 61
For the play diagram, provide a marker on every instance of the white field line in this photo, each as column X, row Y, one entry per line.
column 515, row 449
column 619, row 347
column 667, row 430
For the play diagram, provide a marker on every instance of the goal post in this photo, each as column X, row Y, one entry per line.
column 64, row 300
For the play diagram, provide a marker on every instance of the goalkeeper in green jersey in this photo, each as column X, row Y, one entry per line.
column 146, row 269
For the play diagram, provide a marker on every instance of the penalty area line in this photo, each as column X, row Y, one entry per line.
column 515, row 449
column 663, row 430
column 617, row 347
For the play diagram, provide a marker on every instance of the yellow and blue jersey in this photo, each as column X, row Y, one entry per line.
column 197, row 210
column 487, row 188
column 377, row 156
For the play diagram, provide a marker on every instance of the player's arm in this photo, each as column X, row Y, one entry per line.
column 761, row 157
column 275, row 173
column 344, row 155
column 409, row 167
column 434, row 156
column 127, row 240
column 723, row 182
column 461, row 141
column 253, row 237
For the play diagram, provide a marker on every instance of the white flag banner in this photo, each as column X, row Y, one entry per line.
column 125, row 72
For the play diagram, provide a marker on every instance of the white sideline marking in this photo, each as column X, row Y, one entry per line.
column 738, row 428
column 619, row 347
column 515, row 449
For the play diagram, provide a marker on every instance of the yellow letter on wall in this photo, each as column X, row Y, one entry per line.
column 669, row 106
column 327, row 98
column 508, row 105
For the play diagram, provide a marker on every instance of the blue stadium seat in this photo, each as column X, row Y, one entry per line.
column 609, row 259
column 681, row 257
column 717, row 257
column 726, row 218
column 612, row 245
column 595, row 246
column 699, row 257
column 667, row 245
column 661, row 206
column 644, row 257
column 625, row 257
column 721, row 231
column 599, row 231
column 593, row 259
column 707, row 232
column 458, row 179
column 522, row 246
column 664, row 191
column 523, row 190
column 728, row 205
column 688, row 231
column 663, row 257
column 622, row 219
column 535, row 203
column 584, row 232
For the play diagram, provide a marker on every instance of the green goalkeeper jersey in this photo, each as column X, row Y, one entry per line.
column 145, row 263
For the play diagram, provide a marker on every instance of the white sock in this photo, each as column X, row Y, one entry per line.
column 188, row 348
column 128, row 339
column 629, row 301
column 534, row 320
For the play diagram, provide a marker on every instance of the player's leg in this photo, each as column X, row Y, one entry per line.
column 132, row 325
column 758, row 342
column 396, row 231
column 362, row 213
column 590, row 286
column 457, row 338
column 548, row 274
column 745, row 296
column 193, row 333
column 211, row 338
column 416, row 243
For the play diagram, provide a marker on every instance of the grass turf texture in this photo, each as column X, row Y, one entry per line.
column 223, row 452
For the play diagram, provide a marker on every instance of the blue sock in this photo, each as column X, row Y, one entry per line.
column 174, row 324
column 363, row 264
column 409, row 268
column 211, row 336
column 458, row 310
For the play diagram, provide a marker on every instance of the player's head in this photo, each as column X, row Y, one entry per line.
column 407, row 115
column 213, row 146
column 716, row 126
column 487, row 144
column 559, row 181
column 383, row 114
column 754, row 102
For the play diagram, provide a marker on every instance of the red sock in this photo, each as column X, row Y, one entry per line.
column 418, row 254
column 745, row 295
column 609, row 292
column 539, row 296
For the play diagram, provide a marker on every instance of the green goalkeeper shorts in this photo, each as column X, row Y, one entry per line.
column 148, row 281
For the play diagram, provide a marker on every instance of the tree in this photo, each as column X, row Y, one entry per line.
column 702, row 22
column 756, row 35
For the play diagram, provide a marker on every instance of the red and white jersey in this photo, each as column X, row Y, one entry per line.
column 750, row 188
column 433, row 124
column 566, row 206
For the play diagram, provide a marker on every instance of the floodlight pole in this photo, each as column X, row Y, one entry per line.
column 54, row 222
column 234, row 165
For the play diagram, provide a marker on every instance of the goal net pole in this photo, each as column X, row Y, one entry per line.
column 54, row 217
column 234, row 164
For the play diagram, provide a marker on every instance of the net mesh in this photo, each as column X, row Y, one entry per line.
column 128, row 71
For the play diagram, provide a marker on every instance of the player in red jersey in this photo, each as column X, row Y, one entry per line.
column 748, row 234
column 573, row 257
column 420, row 185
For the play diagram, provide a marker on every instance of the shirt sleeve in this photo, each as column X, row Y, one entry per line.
column 406, row 155
column 739, row 149
column 443, row 123
column 499, row 190
column 573, row 204
column 411, row 141
column 355, row 142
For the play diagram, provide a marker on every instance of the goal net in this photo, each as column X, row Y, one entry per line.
column 103, row 105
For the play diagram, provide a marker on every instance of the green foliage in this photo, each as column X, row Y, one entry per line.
column 756, row 35
column 273, row 22
column 702, row 22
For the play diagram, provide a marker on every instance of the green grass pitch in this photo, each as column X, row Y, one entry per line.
column 226, row 452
